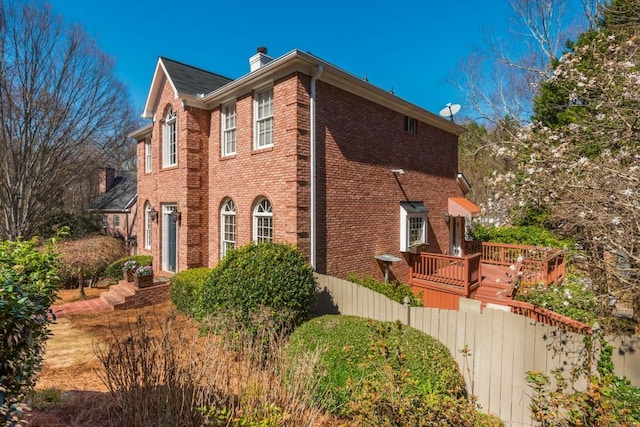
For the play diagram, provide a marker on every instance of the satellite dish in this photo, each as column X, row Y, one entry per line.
column 450, row 110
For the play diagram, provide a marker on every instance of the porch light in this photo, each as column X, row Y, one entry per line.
column 153, row 214
column 447, row 217
column 386, row 260
column 175, row 216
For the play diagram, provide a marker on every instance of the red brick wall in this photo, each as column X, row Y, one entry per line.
column 183, row 184
column 359, row 142
column 249, row 174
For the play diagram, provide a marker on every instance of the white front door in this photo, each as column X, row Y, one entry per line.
column 169, row 239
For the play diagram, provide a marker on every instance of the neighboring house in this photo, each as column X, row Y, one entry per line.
column 295, row 151
column 117, row 204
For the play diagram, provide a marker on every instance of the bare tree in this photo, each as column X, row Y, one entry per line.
column 502, row 78
column 61, row 112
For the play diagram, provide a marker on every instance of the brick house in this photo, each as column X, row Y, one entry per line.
column 296, row 151
column 116, row 203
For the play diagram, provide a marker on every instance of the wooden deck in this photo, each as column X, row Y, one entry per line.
column 491, row 275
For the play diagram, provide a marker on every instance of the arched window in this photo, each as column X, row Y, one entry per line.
column 147, row 225
column 227, row 228
column 170, row 139
column 263, row 221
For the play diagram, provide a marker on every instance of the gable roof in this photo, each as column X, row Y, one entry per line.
column 186, row 81
column 204, row 90
column 120, row 197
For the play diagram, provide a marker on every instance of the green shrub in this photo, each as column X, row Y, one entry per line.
column 608, row 400
column 519, row 235
column 261, row 277
column 395, row 291
column 348, row 365
column 85, row 260
column 114, row 271
column 185, row 289
column 573, row 298
column 28, row 281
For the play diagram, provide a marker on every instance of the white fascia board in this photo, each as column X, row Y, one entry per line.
column 155, row 90
column 306, row 63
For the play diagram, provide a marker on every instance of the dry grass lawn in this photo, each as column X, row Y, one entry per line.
column 71, row 366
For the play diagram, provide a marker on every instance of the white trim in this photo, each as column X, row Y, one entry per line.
column 409, row 211
column 228, row 131
column 266, row 119
column 147, row 226
column 166, row 211
column 262, row 209
column 170, row 139
column 228, row 210
column 147, row 156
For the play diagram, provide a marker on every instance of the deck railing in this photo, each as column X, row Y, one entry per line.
column 544, row 265
column 451, row 270
column 548, row 317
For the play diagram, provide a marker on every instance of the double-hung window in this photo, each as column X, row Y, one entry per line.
column 413, row 225
column 229, row 130
column 116, row 221
column 263, row 221
column 170, row 140
column 147, row 156
column 227, row 228
column 263, row 116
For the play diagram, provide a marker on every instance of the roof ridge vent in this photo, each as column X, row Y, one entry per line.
column 260, row 59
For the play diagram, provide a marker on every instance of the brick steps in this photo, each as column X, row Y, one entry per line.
column 124, row 295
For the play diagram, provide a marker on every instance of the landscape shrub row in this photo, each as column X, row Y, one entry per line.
column 393, row 290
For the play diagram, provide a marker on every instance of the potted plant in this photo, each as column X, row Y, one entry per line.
column 144, row 276
column 129, row 270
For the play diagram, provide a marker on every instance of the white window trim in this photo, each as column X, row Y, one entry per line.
column 226, row 213
column 169, row 157
column 228, row 131
column 257, row 120
column 167, row 209
column 147, row 156
column 264, row 214
column 116, row 221
column 408, row 211
column 147, row 226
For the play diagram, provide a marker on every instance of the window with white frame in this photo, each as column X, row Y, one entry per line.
column 105, row 221
column 170, row 139
column 263, row 221
column 229, row 130
column 147, row 156
column 116, row 221
column 147, row 226
column 263, row 116
column 227, row 228
column 413, row 225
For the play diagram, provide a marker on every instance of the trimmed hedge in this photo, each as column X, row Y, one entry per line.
column 114, row 271
column 258, row 277
column 395, row 291
column 348, row 360
column 185, row 289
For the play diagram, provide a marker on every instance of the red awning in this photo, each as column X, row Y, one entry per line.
column 459, row 206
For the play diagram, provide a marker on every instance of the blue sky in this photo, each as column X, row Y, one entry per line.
column 410, row 46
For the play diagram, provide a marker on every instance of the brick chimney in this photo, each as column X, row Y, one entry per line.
column 260, row 59
column 107, row 176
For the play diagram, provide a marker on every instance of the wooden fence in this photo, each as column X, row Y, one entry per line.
column 501, row 346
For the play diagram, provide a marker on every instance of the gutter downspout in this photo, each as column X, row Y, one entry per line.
column 312, row 158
